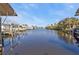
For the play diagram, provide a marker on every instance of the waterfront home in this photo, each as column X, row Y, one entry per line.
column 14, row 28
column 8, row 28
column 22, row 27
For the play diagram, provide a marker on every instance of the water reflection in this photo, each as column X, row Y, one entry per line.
column 68, row 38
column 10, row 43
column 1, row 50
column 39, row 42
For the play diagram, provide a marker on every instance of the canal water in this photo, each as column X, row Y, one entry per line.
column 41, row 42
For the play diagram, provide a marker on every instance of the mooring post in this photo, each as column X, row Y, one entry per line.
column 0, row 38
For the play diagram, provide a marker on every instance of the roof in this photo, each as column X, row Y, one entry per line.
column 6, row 10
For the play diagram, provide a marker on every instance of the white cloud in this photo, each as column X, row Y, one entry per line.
column 29, row 6
column 33, row 5
column 37, row 19
column 70, row 6
column 66, row 11
column 57, row 13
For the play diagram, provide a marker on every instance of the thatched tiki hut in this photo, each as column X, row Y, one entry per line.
column 5, row 10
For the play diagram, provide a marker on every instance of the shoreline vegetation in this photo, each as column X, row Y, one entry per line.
column 66, row 25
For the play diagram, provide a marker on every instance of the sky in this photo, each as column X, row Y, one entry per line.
column 42, row 14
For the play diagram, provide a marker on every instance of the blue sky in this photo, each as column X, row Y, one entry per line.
column 43, row 14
